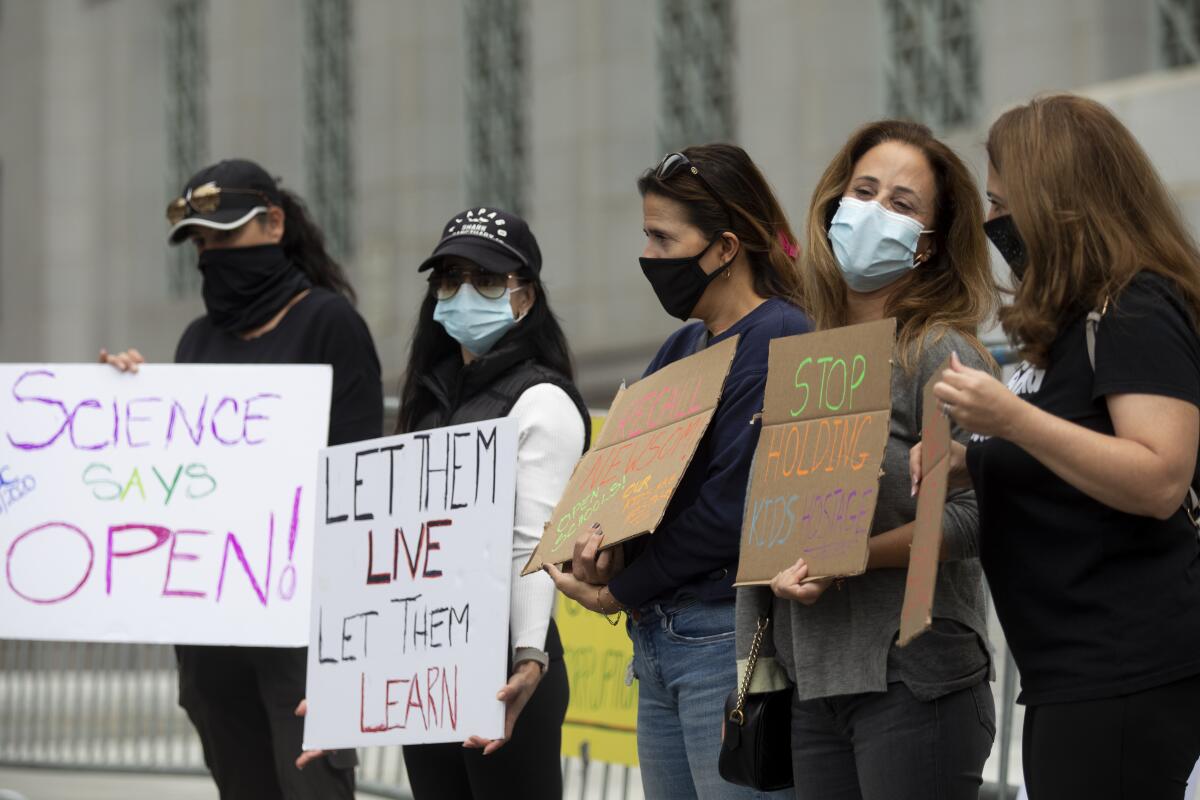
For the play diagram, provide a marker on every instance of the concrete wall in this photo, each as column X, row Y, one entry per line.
column 83, row 158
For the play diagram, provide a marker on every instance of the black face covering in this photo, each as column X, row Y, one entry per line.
column 679, row 282
column 1003, row 234
column 246, row 286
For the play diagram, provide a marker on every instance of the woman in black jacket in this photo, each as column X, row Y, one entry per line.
column 487, row 345
column 272, row 295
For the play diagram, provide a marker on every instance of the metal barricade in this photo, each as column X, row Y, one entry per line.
column 113, row 707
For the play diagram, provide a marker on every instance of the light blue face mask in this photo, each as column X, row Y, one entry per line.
column 474, row 321
column 874, row 247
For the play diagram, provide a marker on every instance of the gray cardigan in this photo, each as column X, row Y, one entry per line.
column 841, row 644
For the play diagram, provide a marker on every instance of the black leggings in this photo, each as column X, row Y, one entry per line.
column 242, row 701
column 1141, row 746
column 528, row 766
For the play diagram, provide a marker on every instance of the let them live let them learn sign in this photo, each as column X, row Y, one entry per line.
column 409, row 630
column 172, row 505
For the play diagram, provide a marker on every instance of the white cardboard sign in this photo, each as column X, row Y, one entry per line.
column 409, row 636
column 174, row 505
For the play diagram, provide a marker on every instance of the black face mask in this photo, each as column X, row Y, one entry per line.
column 245, row 286
column 679, row 282
column 1003, row 234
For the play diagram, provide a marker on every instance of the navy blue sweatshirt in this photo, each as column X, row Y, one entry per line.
column 696, row 545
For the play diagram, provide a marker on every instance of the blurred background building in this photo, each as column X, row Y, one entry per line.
column 391, row 115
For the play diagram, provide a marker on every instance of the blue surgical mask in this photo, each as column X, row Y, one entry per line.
column 874, row 247
column 474, row 321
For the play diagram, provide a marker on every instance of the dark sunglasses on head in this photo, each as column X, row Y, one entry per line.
column 674, row 163
column 445, row 283
column 205, row 200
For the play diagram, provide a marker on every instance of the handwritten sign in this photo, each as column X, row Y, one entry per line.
column 602, row 714
column 917, row 612
column 815, row 476
column 409, row 630
column 648, row 440
column 174, row 505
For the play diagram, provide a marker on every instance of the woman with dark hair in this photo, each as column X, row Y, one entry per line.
column 487, row 345
column 272, row 295
column 718, row 250
column 1083, row 464
column 893, row 231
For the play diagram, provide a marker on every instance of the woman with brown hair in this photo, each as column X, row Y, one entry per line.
column 1082, row 466
column 718, row 250
column 894, row 230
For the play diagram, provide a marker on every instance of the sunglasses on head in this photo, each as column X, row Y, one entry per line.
column 445, row 283
column 674, row 163
column 205, row 200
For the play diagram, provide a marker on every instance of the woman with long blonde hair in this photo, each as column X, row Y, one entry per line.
column 894, row 230
column 1082, row 466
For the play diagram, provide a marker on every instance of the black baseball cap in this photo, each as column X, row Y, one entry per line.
column 495, row 240
column 245, row 189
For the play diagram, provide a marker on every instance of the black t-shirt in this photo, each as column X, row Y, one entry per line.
column 1094, row 602
column 323, row 328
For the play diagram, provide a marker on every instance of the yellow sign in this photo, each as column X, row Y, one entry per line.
column 603, row 710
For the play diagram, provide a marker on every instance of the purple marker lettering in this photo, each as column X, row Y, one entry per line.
column 131, row 418
column 75, row 420
column 251, row 416
column 231, row 540
column 287, row 578
column 217, row 411
column 167, row 591
column 194, row 434
column 160, row 533
column 44, row 400
column 8, row 569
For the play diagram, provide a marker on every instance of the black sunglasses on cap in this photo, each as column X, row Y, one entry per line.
column 674, row 163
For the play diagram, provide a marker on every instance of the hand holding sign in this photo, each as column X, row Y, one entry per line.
column 515, row 695
column 794, row 584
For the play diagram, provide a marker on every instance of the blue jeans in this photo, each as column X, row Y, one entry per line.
column 684, row 660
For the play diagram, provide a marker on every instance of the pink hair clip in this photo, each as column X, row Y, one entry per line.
column 789, row 247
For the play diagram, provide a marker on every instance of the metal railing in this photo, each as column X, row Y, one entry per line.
column 113, row 708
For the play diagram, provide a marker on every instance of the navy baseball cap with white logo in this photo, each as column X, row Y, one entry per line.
column 495, row 240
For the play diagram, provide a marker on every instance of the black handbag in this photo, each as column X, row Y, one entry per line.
column 756, row 750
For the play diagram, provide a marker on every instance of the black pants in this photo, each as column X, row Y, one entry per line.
column 1141, row 746
column 892, row 746
column 242, row 701
column 528, row 766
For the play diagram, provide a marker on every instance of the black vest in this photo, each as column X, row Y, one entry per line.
column 489, row 387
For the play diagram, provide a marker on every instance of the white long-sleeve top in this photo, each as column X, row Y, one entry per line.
column 549, row 442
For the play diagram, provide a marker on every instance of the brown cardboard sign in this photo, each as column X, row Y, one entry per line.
column 917, row 612
column 651, row 433
column 815, row 476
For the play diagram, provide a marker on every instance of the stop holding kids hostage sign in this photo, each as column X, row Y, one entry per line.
column 174, row 505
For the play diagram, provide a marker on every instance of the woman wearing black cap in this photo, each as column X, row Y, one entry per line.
column 273, row 295
column 486, row 345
